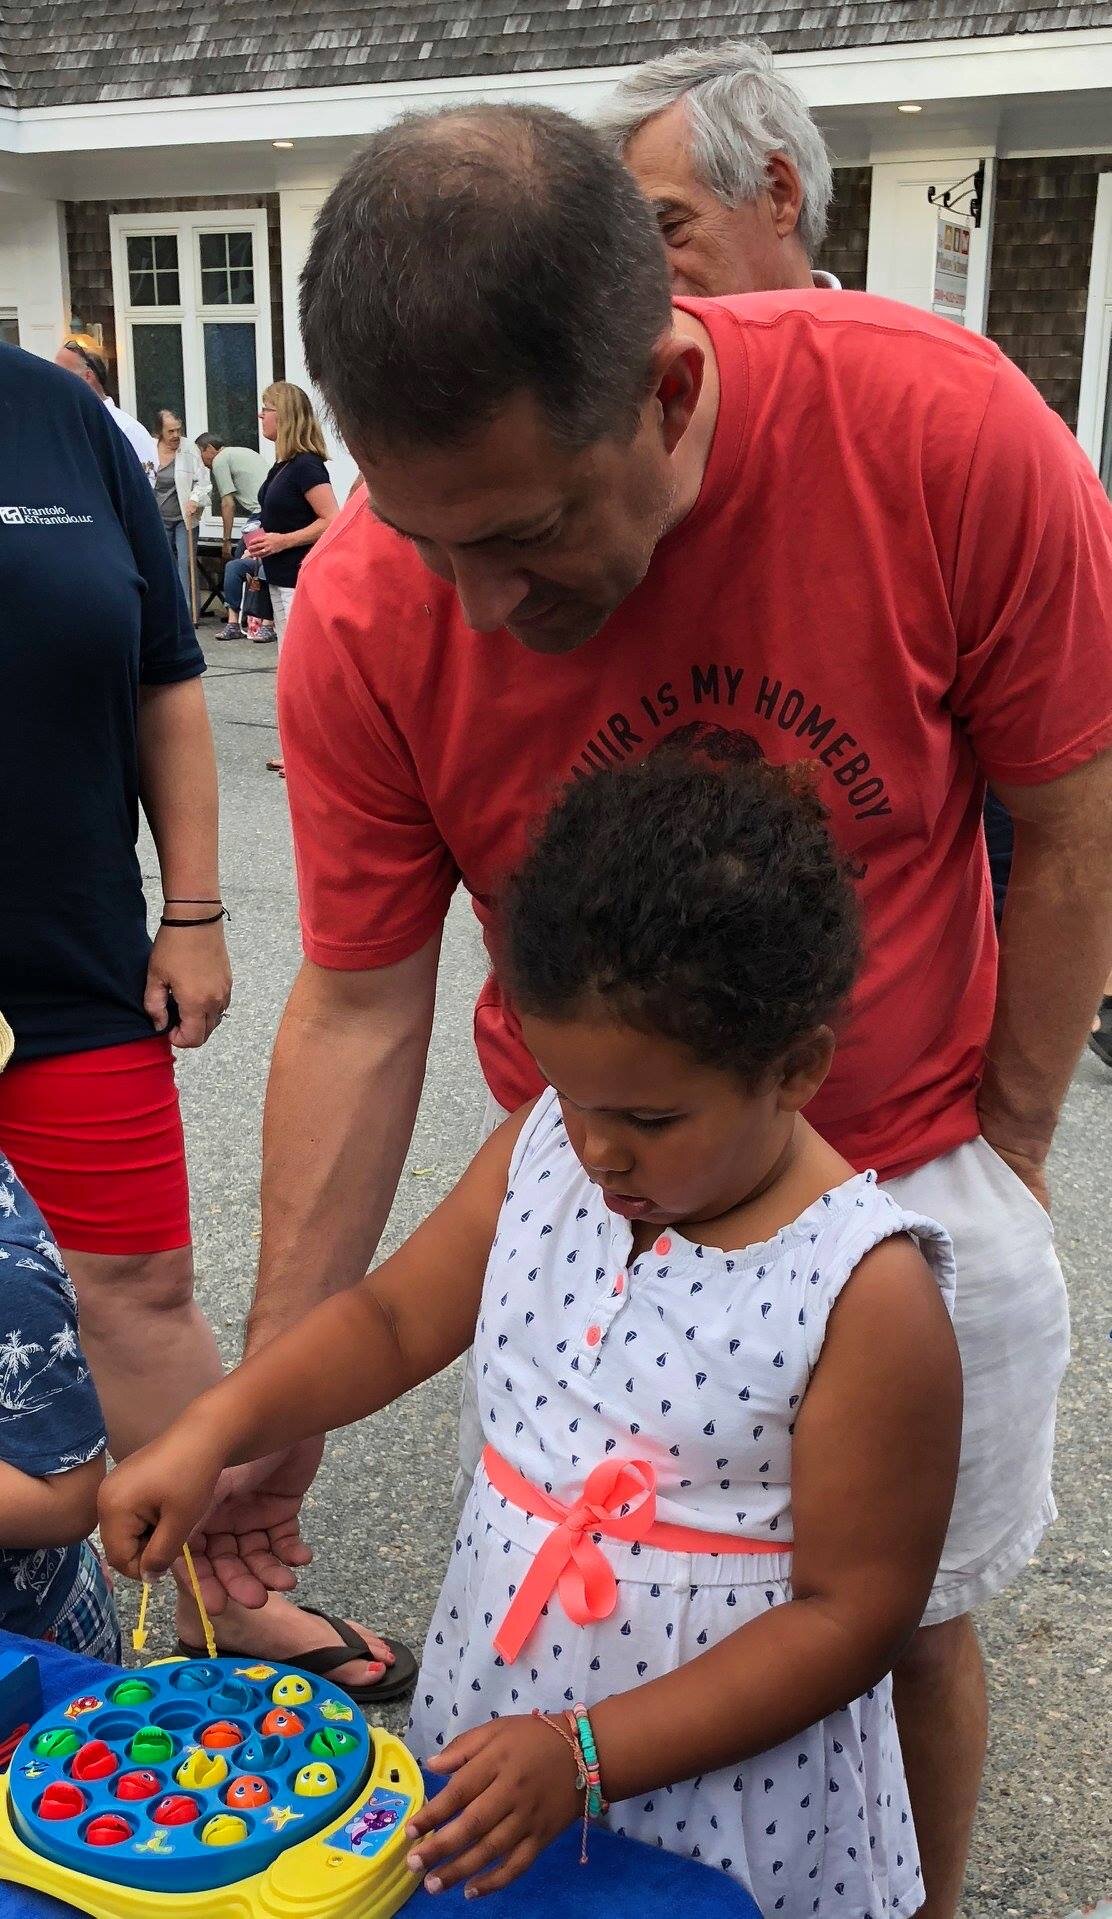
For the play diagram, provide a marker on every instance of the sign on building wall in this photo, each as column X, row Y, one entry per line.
column 951, row 268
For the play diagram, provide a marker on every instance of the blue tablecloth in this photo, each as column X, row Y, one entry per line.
column 625, row 1880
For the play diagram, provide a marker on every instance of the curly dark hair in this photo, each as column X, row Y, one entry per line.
column 697, row 894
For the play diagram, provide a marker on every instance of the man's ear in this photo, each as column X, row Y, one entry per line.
column 785, row 193
column 678, row 368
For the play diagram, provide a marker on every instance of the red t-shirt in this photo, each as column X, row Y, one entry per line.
column 899, row 566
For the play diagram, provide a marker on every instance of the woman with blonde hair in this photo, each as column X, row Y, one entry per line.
column 296, row 500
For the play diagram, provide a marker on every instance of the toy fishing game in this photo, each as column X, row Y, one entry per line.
column 195, row 1777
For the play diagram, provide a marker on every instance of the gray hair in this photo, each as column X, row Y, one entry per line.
column 740, row 112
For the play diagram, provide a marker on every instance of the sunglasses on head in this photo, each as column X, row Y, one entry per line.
column 92, row 360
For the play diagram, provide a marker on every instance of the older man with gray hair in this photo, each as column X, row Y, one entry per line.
column 737, row 172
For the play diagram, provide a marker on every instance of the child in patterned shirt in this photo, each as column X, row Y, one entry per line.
column 52, row 1439
column 720, row 1391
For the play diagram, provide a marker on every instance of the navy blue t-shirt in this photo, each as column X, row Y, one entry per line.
column 50, row 1417
column 283, row 508
column 90, row 610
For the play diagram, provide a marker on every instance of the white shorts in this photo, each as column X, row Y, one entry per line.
column 281, row 600
column 1013, row 1329
column 1012, row 1323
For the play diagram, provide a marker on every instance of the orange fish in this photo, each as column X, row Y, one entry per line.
column 247, row 1792
column 287, row 1725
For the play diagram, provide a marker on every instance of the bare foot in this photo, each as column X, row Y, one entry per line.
column 281, row 1631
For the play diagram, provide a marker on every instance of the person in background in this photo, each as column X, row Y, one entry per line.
column 247, row 599
column 296, row 501
column 52, row 1439
column 737, row 173
column 84, row 358
column 237, row 473
column 181, row 487
column 732, row 164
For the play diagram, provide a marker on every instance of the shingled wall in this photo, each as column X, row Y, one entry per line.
column 90, row 257
column 1041, row 250
column 845, row 250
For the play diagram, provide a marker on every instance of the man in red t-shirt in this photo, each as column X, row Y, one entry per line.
column 845, row 528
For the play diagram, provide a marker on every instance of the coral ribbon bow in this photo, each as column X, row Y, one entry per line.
column 618, row 1499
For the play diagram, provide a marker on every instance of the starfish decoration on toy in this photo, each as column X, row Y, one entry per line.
column 282, row 1816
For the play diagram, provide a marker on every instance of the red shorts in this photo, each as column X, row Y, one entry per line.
column 97, row 1140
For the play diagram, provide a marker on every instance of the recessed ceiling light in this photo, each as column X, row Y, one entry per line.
column 289, row 143
column 905, row 106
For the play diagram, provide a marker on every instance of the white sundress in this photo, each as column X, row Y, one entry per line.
column 694, row 1360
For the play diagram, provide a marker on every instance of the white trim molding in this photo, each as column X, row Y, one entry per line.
column 1096, row 359
column 991, row 67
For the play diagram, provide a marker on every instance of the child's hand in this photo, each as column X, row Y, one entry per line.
column 149, row 1505
column 513, row 1790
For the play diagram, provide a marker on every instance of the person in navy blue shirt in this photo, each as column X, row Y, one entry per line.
column 104, row 713
column 52, row 1441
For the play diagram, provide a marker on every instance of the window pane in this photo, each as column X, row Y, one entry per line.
column 231, row 382
column 9, row 329
column 214, row 287
column 140, row 251
column 214, row 249
column 166, row 250
column 142, row 289
column 239, row 250
column 159, row 375
column 242, row 287
column 167, row 289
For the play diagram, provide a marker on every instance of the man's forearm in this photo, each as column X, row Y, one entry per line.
column 340, row 1107
column 228, row 516
column 1055, row 954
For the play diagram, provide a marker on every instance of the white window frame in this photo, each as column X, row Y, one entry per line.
column 1096, row 358
column 192, row 314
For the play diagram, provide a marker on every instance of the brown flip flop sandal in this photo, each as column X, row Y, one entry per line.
column 397, row 1681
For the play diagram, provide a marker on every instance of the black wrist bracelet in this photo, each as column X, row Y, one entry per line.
column 202, row 902
column 212, row 920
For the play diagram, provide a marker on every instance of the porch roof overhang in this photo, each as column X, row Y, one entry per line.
column 1026, row 93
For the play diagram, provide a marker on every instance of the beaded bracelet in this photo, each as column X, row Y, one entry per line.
column 580, row 1721
column 571, row 1740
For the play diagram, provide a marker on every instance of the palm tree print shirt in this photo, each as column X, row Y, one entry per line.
column 50, row 1417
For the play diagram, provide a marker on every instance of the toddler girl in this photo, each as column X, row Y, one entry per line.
column 719, row 1388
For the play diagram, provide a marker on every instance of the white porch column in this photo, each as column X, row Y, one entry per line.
column 34, row 270
column 298, row 209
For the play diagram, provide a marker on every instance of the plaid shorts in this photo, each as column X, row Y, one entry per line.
column 87, row 1622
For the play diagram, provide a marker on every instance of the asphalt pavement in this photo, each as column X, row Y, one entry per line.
column 379, row 1516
